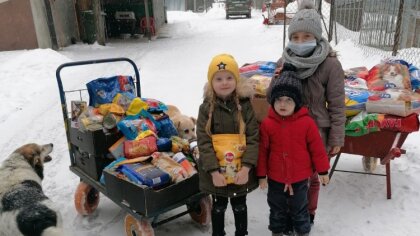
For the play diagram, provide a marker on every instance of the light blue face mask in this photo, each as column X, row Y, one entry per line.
column 302, row 49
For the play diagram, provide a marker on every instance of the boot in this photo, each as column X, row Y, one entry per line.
column 312, row 218
column 218, row 221
column 241, row 220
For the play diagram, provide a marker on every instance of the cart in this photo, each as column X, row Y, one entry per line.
column 143, row 205
column 384, row 144
column 276, row 12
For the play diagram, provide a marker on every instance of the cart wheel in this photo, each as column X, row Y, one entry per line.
column 134, row 227
column 369, row 163
column 86, row 199
column 202, row 210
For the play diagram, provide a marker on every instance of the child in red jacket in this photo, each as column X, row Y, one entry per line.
column 290, row 150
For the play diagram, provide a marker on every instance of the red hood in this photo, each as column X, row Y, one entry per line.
column 303, row 111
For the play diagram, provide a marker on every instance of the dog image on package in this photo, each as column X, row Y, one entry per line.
column 389, row 76
column 185, row 125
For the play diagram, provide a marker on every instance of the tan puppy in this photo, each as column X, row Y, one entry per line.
column 185, row 125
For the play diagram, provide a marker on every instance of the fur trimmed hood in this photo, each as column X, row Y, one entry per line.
column 244, row 89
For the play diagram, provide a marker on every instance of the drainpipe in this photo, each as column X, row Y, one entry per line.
column 146, row 10
column 99, row 23
column 50, row 22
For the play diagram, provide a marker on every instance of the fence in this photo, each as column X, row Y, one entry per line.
column 385, row 27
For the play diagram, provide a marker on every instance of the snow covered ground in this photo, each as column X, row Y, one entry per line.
column 173, row 69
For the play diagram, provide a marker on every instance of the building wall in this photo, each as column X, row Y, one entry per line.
column 65, row 22
column 175, row 5
column 159, row 13
column 16, row 25
column 40, row 22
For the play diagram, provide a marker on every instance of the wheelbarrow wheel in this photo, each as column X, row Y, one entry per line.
column 369, row 163
column 86, row 199
column 201, row 210
column 134, row 227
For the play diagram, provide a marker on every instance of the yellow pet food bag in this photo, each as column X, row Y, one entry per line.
column 229, row 149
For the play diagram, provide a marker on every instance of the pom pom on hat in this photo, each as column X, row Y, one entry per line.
column 287, row 84
column 223, row 62
column 306, row 5
column 306, row 19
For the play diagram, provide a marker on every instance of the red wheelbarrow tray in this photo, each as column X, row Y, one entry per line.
column 383, row 144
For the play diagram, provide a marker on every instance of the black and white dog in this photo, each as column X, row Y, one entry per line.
column 24, row 208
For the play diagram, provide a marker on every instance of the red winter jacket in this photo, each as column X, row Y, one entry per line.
column 290, row 148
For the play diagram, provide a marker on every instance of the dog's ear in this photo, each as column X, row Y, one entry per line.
column 194, row 120
column 177, row 124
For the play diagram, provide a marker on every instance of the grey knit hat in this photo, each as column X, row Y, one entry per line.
column 306, row 19
column 287, row 84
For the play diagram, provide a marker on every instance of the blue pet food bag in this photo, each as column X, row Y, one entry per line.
column 103, row 90
column 145, row 174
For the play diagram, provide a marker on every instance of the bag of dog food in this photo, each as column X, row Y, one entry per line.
column 260, row 84
column 164, row 162
column 388, row 75
column 165, row 127
column 229, row 149
column 155, row 106
column 123, row 99
column 132, row 126
column 139, row 148
column 180, row 145
column 183, row 161
column 145, row 174
column 103, row 90
column 361, row 124
column 399, row 102
column 164, row 144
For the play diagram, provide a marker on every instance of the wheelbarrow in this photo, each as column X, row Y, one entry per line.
column 384, row 145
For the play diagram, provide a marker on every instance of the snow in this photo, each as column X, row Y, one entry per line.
column 173, row 69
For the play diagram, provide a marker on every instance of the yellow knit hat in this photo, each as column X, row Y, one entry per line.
column 223, row 62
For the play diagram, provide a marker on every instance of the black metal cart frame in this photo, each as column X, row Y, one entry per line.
column 192, row 202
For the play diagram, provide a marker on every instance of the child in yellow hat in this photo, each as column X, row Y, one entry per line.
column 227, row 135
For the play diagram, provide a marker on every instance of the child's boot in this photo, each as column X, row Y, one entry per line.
column 218, row 220
column 241, row 219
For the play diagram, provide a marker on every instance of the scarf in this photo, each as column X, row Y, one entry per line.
column 306, row 66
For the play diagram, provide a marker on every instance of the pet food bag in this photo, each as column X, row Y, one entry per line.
column 229, row 149
column 145, row 174
column 164, row 144
column 180, row 145
column 165, row 127
column 103, row 90
column 399, row 102
column 139, row 148
column 264, row 68
column 388, row 75
column 361, row 124
column 123, row 100
column 260, row 84
column 155, row 106
column 170, row 166
column 183, row 161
